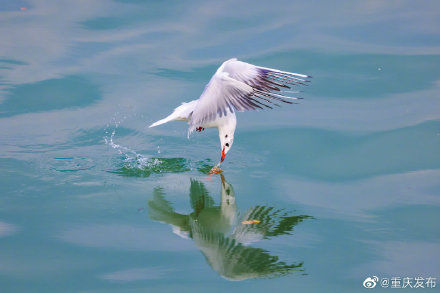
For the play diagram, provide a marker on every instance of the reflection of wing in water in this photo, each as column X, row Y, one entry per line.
column 222, row 239
column 159, row 209
column 233, row 260
column 272, row 222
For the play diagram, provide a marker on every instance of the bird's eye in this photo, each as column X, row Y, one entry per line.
column 227, row 144
column 226, row 136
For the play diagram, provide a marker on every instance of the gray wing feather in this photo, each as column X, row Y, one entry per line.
column 240, row 86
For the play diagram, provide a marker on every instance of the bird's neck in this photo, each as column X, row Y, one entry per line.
column 227, row 125
column 228, row 130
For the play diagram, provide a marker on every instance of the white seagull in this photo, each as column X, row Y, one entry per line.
column 235, row 86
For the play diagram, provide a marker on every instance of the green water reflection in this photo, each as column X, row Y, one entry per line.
column 145, row 168
column 218, row 232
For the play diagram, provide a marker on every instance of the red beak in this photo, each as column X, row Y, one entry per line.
column 223, row 155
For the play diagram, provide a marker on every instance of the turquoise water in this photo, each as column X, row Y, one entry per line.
column 344, row 185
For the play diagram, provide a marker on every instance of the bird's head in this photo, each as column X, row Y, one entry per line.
column 226, row 141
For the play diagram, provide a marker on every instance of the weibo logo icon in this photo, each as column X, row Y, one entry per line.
column 370, row 283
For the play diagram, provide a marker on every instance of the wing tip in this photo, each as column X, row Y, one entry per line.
column 267, row 70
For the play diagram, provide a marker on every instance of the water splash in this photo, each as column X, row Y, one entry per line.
column 131, row 159
column 130, row 156
column 137, row 165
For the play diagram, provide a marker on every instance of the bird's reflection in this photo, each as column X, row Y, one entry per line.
column 219, row 232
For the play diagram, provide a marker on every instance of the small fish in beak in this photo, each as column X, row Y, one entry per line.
column 216, row 169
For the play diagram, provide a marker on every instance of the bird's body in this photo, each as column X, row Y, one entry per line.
column 236, row 86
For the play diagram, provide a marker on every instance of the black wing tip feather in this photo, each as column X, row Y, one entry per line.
column 279, row 81
column 282, row 80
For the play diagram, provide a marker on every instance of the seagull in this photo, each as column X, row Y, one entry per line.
column 235, row 86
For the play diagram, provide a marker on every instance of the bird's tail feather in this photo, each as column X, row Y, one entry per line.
column 162, row 121
column 181, row 113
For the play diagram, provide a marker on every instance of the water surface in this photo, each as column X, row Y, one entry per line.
column 344, row 185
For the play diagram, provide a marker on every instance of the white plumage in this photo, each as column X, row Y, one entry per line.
column 235, row 86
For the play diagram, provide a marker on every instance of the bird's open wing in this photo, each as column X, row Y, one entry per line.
column 271, row 222
column 240, row 86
